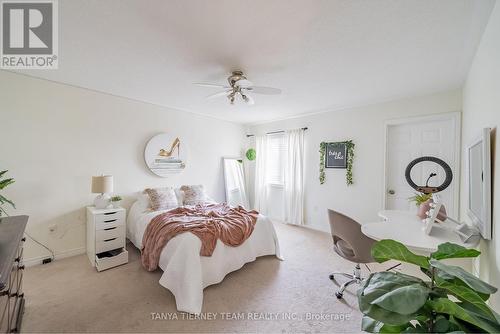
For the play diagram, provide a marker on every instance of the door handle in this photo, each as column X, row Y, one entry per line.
column 391, row 192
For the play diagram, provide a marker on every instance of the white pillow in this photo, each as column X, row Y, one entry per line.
column 143, row 200
column 162, row 198
column 194, row 194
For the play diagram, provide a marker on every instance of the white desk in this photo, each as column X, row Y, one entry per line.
column 408, row 228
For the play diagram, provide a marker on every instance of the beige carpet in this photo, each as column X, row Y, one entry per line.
column 294, row 295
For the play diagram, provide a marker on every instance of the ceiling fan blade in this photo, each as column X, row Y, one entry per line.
column 243, row 83
column 264, row 90
column 213, row 96
column 206, row 84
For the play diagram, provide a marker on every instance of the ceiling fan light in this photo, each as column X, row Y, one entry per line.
column 248, row 100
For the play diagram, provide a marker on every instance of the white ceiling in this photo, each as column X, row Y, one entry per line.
column 324, row 55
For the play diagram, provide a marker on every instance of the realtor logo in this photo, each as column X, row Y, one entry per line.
column 29, row 34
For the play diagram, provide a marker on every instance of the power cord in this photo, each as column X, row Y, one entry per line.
column 39, row 243
column 52, row 254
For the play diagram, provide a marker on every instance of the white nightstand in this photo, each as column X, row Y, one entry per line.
column 106, row 237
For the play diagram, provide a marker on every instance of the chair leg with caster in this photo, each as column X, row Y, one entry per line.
column 332, row 276
column 340, row 293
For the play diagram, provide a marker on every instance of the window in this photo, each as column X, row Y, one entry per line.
column 276, row 149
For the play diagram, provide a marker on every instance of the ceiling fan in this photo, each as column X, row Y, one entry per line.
column 239, row 85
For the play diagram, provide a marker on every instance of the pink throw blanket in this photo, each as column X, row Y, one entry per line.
column 208, row 222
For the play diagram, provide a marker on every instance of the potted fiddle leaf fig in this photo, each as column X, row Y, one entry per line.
column 450, row 300
column 3, row 200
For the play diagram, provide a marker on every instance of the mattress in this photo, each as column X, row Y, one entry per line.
column 185, row 272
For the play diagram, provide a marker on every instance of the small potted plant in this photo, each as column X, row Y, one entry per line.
column 420, row 198
column 116, row 200
column 423, row 201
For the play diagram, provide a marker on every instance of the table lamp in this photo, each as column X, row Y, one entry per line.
column 102, row 185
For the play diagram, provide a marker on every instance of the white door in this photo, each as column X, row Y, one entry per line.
column 436, row 136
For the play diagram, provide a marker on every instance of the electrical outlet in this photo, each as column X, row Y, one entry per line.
column 52, row 228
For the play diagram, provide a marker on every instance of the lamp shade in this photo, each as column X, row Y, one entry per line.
column 102, row 184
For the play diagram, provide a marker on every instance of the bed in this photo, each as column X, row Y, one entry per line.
column 185, row 272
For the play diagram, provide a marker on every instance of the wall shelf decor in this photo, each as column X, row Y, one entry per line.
column 164, row 154
column 336, row 155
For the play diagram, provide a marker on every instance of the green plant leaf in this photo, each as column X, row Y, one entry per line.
column 377, row 285
column 441, row 325
column 3, row 172
column 373, row 326
column 446, row 306
column 4, row 200
column 5, row 183
column 472, row 281
column 472, row 308
column 387, row 249
column 449, row 250
column 460, row 283
column 462, row 326
column 420, row 198
column 466, row 294
column 404, row 300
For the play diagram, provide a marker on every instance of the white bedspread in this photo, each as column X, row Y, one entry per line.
column 186, row 273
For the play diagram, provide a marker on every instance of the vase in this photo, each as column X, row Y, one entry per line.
column 116, row 204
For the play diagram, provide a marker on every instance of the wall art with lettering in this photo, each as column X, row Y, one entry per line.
column 336, row 155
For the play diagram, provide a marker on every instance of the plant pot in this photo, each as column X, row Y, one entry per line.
column 116, row 204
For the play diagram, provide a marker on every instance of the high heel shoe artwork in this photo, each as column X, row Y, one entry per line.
column 163, row 154
column 175, row 145
column 168, row 159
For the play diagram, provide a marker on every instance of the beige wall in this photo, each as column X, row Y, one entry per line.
column 482, row 109
column 366, row 127
column 55, row 137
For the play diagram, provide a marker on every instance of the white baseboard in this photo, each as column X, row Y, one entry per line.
column 58, row 256
column 310, row 227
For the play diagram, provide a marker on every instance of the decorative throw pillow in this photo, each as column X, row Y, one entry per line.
column 162, row 198
column 143, row 201
column 194, row 194
column 180, row 196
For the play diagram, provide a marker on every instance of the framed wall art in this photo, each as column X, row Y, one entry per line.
column 164, row 154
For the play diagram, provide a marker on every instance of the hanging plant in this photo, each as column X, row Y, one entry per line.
column 251, row 154
column 322, row 151
column 350, row 159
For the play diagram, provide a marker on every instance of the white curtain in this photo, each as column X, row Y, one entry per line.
column 260, row 174
column 294, row 177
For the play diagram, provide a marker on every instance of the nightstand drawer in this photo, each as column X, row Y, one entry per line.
column 109, row 244
column 110, row 232
column 109, row 222
column 104, row 262
column 109, row 216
